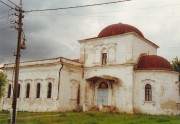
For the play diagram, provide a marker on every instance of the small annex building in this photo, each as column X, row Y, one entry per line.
column 118, row 70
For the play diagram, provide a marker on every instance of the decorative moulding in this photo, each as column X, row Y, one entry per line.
column 50, row 79
column 38, row 79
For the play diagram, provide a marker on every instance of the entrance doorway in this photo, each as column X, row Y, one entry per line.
column 102, row 94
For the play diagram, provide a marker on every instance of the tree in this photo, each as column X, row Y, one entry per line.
column 176, row 65
column 3, row 80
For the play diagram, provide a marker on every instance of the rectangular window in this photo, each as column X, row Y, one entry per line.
column 104, row 58
column 18, row 92
column 38, row 90
column 27, row 90
column 9, row 91
column 49, row 90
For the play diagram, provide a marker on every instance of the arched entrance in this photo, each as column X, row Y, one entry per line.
column 103, row 92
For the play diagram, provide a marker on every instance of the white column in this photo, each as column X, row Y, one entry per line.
column 33, row 90
column 43, row 91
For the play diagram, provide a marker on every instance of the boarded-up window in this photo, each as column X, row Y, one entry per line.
column 49, row 90
column 19, row 90
column 74, row 90
column 9, row 91
column 97, row 56
column 27, row 90
column 104, row 58
column 112, row 54
column 38, row 90
column 148, row 92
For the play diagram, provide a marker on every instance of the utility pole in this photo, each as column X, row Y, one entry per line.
column 17, row 62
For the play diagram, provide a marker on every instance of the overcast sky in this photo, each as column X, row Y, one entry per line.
column 56, row 33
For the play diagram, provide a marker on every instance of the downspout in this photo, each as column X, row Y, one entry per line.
column 133, row 76
column 59, row 79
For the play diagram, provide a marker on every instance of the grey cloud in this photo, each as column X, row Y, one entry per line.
column 55, row 33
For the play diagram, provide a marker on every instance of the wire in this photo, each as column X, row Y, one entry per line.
column 6, row 4
column 13, row 3
column 73, row 7
column 152, row 7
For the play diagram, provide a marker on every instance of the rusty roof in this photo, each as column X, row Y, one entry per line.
column 119, row 28
column 153, row 62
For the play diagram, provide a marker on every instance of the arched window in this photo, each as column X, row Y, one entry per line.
column 148, row 92
column 38, row 90
column 103, row 85
column 27, row 90
column 97, row 56
column 19, row 90
column 112, row 54
column 49, row 90
column 9, row 91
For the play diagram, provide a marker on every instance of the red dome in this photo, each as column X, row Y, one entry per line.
column 119, row 28
column 153, row 62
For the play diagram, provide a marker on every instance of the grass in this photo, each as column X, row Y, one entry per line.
column 88, row 118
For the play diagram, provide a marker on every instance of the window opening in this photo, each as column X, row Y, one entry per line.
column 104, row 58
column 148, row 92
column 27, row 90
column 18, row 92
column 102, row 98
column 49, row 90
column 9, row 91
column 38, row 90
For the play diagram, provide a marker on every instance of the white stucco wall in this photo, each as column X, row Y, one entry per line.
column 165, row 92
column 43, row 73
column 122, row 46
column 142, row 46
column 120, row 49
column 122, row 90
column 34, row 75
column 69, row 84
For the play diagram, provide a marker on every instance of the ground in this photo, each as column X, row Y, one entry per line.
column 88, row 118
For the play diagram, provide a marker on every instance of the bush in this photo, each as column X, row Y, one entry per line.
column 3, row 80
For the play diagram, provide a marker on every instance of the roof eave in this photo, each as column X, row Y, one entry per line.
column 155, row 45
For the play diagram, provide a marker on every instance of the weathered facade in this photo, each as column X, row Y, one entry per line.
column 119, row 70
column 47, row 76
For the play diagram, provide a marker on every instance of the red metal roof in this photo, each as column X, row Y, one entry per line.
column 153, row 62
column 119, row 28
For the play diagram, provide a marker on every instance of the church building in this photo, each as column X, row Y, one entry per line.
column 119, row 70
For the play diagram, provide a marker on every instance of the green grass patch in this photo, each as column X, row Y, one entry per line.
column 87, row 118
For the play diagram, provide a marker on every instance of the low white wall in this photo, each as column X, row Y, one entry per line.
column 43, row 73
column 164, row 92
